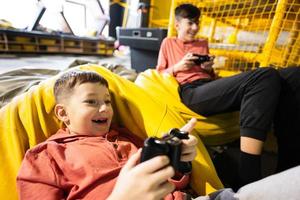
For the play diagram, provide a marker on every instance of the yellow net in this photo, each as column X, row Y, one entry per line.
column 159, row 13
column 246, row 34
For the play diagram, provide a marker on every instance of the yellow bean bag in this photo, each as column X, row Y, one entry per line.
column 29, row 119
column 213, row 130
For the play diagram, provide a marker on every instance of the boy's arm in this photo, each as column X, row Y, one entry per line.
column 146, row 180
column 164, row 66
column 189, row 145
column 29, row 189
column 180, row 181
column 162, row 61
column 36, row 178
column 208, row 66
column 187, row 155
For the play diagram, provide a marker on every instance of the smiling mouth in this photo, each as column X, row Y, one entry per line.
column 100, row 121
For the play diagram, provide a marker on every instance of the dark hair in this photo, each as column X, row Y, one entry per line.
column 67, row 81
column 188, row 11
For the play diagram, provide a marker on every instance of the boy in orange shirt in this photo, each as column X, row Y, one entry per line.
column 89, row 158
column 206, row 95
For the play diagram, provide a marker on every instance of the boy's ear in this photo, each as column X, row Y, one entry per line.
column 176, row 23
column 61, row 112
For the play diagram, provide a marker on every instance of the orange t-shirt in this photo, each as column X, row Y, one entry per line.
column 172, row 50
column 76, row 166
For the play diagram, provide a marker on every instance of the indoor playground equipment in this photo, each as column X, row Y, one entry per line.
column 246, row 34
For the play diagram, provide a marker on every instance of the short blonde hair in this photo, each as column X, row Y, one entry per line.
column 65, row 84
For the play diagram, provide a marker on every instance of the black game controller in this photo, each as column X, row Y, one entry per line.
column 169, row 145
column 201, row 59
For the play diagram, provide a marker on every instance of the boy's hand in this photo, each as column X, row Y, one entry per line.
column 147, row 180
column 189, row 145
column 207, row 66
column 185, row 63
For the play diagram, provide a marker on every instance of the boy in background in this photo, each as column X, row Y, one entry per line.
column 254, row 93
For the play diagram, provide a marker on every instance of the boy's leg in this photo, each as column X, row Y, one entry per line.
column 287, row 119
column 284, row 185
column 223, row 194
column 255, row 94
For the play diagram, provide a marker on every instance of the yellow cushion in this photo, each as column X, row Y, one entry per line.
column 29, row 119
column 214, row 130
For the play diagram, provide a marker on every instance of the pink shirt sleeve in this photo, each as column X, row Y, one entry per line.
column 162, row 62
column 181, row 182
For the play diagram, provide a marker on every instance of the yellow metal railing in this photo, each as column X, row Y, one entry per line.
column 159, row 13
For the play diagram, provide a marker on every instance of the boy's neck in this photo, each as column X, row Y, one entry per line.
column 186, row 41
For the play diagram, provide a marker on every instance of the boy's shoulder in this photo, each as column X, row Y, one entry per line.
column 169, row 39
column 174, row 39
column 61, row 135
column 202, row 39
column 53, row 140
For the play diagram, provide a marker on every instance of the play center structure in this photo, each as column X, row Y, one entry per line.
column 242, row 34
column 249, row 34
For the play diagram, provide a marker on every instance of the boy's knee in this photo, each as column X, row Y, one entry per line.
column 271, row 76
column 269, row 71
column 289, row 73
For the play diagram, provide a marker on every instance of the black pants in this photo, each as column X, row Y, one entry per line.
column 254, row 93
column 287, row 119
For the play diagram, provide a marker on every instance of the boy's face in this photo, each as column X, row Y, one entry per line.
column 187, row 28
column 88, row 110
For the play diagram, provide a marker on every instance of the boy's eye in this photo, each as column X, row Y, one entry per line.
column 194, row 22
column 96, row 102
column 92, row 102
column 107, row 101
